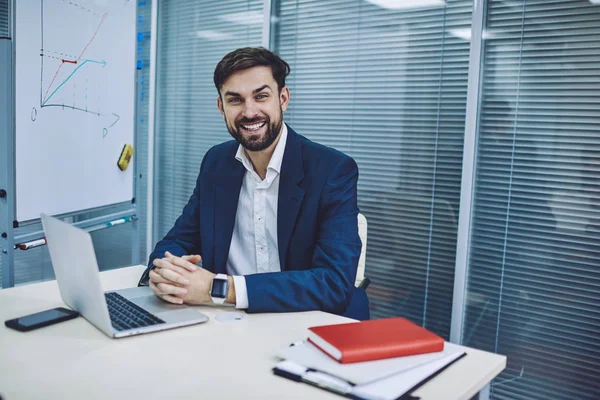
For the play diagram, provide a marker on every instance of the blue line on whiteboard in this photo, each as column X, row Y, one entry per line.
column 103, row 63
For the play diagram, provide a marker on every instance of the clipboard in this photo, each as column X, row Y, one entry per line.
column 306, row 354
column 395, row 387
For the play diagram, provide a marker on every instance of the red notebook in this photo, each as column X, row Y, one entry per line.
column 374, row 340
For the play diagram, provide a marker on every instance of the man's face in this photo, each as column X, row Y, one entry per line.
column 253, row 107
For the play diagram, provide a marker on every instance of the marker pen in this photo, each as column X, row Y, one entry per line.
column 118, row 221
column 34, row 243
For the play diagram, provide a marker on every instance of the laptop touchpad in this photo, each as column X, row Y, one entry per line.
column 155, row 305
column 145, row 298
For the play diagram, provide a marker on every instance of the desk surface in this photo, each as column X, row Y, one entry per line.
column 74, row 360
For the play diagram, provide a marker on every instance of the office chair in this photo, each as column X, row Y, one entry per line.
column 361, row 283
column 361, row 280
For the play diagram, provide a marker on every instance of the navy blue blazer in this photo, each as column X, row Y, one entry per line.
column 317, row 229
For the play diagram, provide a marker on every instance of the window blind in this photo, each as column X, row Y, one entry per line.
column 193, row 37
column 534, row 268
column 5, row 17
column 388, row 87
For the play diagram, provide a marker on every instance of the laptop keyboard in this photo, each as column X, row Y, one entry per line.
column 125, row 314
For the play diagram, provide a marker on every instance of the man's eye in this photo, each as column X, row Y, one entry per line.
column 235, row 100
column 261, row 96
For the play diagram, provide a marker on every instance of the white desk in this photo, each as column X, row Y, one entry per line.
column 230, row 360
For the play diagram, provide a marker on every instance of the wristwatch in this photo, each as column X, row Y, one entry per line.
column 219, row 289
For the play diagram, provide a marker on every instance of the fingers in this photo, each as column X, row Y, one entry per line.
column 194, row 258
column 170, row 274
column 164, row 275
column 160, row 292
column 171, row 299
column 155, row 277
column 166, row 288
column 164, row 263
column 182, row 262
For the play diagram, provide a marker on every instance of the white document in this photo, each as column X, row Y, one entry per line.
column 397, row 385
column 389, row 388
column 307, row 355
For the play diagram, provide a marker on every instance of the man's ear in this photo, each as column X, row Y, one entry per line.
column 220, row 105
column 284, row 98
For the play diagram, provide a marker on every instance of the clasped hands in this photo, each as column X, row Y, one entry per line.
column 178, row 280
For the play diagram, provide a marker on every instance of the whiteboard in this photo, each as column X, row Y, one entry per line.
column 74, row 110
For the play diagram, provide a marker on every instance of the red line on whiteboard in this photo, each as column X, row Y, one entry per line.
column 78, row 58
column 90, row 42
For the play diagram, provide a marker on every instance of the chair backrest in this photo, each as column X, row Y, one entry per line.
column 362, row 233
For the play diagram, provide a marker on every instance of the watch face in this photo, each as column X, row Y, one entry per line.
column 219, row 288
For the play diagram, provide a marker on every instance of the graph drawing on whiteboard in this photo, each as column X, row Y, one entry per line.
column 75, row 93
column 61, row 67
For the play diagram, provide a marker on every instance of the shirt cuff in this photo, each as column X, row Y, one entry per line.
column 241, row 293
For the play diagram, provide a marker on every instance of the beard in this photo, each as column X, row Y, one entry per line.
column 252, row 142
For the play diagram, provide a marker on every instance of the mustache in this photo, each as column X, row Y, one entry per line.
column 250, row 121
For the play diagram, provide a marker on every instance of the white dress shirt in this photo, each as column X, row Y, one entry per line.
column 254, row 242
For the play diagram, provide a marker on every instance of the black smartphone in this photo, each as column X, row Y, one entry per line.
column 41, row 319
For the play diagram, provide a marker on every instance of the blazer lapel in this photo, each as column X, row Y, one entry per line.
column 290, row 193
column 227, row 192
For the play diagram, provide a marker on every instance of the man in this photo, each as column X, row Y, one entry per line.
column 273, row 215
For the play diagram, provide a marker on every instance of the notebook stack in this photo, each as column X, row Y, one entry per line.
column 377, row 359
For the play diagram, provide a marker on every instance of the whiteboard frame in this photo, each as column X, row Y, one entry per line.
column 38, row 192
column 8, row 224
column 7, row 142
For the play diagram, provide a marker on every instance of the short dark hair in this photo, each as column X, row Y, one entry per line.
column 250, row 57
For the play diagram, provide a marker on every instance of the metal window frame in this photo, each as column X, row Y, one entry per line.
column 267, row 24
column 469, row 167
column 150, row 212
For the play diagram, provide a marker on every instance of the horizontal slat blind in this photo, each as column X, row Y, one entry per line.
column 193, row 37
column 5, row 17
column 388, row 87
column 534, row 269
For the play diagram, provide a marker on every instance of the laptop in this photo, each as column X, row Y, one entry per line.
column 118, row 313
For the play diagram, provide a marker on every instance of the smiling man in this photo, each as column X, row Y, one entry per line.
column 273, row 216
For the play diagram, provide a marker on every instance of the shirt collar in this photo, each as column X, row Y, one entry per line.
column 276, row 158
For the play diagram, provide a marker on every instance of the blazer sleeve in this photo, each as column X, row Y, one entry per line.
column 328, row 284
column 184, row 237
